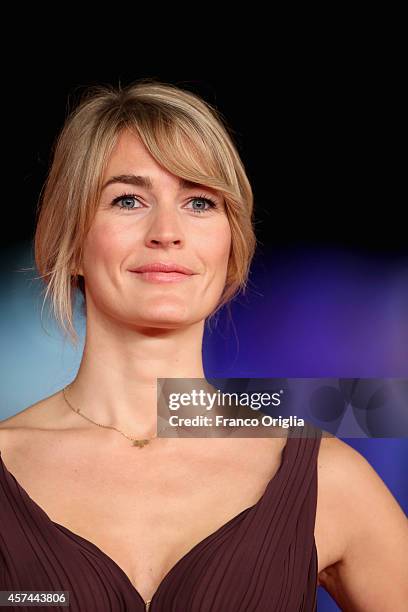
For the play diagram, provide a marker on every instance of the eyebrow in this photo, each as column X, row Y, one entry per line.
column 146, row 182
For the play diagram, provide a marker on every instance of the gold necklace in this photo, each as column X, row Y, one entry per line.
column 135, row 442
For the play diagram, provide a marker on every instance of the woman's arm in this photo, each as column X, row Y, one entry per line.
column 372, row 573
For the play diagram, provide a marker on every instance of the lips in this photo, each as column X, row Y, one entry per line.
column 163, row 267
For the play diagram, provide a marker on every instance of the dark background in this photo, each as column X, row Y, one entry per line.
column 319, row 140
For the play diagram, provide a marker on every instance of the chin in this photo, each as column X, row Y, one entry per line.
column 166, row 319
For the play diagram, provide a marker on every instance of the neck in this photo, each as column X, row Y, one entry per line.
column 117, row 381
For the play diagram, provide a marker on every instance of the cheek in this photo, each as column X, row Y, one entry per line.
column 216, row 246
column 104, row 244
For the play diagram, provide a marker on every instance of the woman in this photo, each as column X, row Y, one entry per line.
column 149, row 176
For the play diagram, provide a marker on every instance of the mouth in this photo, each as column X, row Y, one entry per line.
column 161, row 272
column 162, row 277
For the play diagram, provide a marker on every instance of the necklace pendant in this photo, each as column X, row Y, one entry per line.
column 140, row 443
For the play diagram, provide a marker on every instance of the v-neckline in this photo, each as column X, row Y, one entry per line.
column 171, row 571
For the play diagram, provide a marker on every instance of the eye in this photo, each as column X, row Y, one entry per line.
column 205, row 199
column 126, row 197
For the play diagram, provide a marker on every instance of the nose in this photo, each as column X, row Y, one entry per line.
column 164, row 229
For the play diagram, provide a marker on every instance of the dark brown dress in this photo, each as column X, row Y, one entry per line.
column 262, row 560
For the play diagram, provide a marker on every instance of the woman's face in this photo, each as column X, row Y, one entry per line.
column 167, row 223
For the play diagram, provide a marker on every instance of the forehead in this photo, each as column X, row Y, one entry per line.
column 130, row 162
column 129, row 149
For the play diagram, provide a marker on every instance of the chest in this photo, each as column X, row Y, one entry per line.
column 146, row 515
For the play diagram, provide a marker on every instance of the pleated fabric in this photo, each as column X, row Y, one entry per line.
column 263, row 560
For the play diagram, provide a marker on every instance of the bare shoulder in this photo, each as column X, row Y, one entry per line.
column 41, row 415
column 335, row 463
column 346, row 472
column 337, row 459
column 349, row 486
column 370, row 531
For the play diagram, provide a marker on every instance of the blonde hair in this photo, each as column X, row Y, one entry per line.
column 183, row 133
